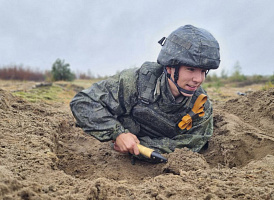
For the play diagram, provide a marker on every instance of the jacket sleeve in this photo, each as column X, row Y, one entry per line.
column 97, row 108
column 194, row 139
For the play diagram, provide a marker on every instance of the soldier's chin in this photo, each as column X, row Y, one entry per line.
column 186, row 95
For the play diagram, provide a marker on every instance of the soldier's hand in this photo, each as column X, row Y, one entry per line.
column 127, row 142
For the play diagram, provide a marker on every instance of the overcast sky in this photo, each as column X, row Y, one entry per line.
column 106, row 36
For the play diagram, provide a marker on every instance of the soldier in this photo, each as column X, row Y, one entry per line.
column 155, row 104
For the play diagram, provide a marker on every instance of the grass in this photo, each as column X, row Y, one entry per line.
column 268, row 85
column 63, row 91
column 49, row 94
column 60, row 91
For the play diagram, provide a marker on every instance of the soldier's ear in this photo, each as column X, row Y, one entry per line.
column 168, row 69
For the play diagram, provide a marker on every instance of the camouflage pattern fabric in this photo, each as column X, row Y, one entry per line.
column 190, row 46
column 108, row 108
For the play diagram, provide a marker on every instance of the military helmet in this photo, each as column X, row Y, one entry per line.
column 190, row 46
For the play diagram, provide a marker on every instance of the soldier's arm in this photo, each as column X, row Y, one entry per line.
column 97, row 108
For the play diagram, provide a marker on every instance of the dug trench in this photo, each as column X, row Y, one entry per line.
column 45, row 156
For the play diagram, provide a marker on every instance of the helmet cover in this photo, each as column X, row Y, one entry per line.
column 190, row 46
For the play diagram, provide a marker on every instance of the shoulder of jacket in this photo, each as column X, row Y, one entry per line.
column 147, row 79
column 151, row 67
column 127, row 76
column 127, row 73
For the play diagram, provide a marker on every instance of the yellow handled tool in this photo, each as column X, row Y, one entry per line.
column 150, row 153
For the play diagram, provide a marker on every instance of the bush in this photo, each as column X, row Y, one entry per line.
column 60, row 71
column 224, row 74
column 268, row 85
column 271, row 78
column 236, row 75
column 212, row 77
column 20, row 73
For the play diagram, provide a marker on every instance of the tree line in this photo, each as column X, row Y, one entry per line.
column 60, row 71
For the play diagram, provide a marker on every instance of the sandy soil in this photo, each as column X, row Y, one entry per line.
column 44, row 156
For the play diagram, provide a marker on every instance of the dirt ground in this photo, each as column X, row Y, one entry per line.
column 44, row 156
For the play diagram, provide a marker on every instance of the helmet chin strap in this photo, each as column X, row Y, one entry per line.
column 176, row 76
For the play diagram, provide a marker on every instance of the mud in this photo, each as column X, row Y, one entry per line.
column 44, row 156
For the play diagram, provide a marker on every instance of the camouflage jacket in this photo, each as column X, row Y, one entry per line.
column 140, row 101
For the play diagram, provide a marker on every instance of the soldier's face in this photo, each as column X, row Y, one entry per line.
column 190, row 78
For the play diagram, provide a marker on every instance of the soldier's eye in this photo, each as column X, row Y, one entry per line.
column 191, row 69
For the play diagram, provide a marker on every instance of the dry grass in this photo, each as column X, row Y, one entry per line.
column 63, row 92
column 227, row 92
column 14, row 85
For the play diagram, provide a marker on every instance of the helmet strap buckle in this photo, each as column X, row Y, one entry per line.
column 162, row 41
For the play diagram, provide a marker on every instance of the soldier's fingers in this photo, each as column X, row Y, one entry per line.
column 136, row 139
column 136, row 150
column 120, row 149
column 116, row 147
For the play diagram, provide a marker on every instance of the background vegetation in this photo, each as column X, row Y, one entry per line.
column 61, row 72
column 21, row 73
column 236, row 79
column 60, row 84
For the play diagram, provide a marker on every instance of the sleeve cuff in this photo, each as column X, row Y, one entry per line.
column 118, row 132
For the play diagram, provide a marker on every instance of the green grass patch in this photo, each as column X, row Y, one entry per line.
column 268, row 85
column 47, row 93
column 60, row 91
column 213, row 84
